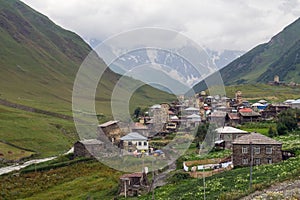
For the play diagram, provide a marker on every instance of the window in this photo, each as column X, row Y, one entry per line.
column 269, row 160
column 145, row 143
column 140, row 144
column 245, row 161
column 269, row 150
column 129, row 143
column 257, row 150
column 244, row 149
column 257, row 161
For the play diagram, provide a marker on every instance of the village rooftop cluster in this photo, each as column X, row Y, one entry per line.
column 138, row 139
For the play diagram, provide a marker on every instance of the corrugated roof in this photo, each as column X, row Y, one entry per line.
column 133, row 136
column 91, row 141
column 156, row 106
column 109, row 123
column 257, row 104
column 262, row 101
column 194, row 116
column 218, row 114
column 255, row 138
column 248, row 112
column 174, row 117
column 280, row 105
column 245, row 110
column 133, row 175
column 191, row 109
column 229, row 129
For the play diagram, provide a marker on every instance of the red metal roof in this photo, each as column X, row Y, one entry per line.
column 245, row 110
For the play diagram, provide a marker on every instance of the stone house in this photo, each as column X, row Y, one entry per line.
column 218, row 118
column 248, row 115
column 232, row 119
column 133, row 184
column 257, row 148
column 229, row 134
column 134, row 141
column 159, row 117
column 88, row 148
column 111, row 130
column 191, row 110
column 272, row 110
column 141, row 129
column 193, row 120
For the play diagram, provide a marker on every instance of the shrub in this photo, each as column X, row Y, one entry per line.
column 178, row 176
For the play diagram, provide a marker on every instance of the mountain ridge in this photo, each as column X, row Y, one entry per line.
column 280, row 56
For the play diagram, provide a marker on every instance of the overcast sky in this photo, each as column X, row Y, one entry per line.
column 216, row 24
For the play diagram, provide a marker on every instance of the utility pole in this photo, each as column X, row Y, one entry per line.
column 153, row 177
column 251, row 165
column 204, row 195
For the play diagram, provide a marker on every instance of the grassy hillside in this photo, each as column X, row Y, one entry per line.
column 258, row 91
column 39, row 61
column 277, row 57
column 68, row 179
column 13, row 153
column 45, row 135
column 38, row 64
column 255, row 92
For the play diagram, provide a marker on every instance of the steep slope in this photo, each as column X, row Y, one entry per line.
column 280, row 56
column 39, row 61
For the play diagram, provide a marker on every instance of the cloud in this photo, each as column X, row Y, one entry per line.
column 217, row 24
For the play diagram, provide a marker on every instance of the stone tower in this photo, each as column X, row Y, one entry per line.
column 276, row 79
column 238, row 97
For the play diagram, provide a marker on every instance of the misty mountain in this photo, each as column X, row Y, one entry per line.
column 179, row 68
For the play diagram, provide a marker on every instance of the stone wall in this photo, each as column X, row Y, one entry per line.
column 238, row 156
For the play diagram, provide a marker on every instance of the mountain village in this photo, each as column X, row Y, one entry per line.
column 128, row 104
column 161, row 121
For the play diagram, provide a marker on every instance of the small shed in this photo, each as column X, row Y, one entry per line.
column 111, row 130
column 88, row 148
column 232, row 119
column 133, row 184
